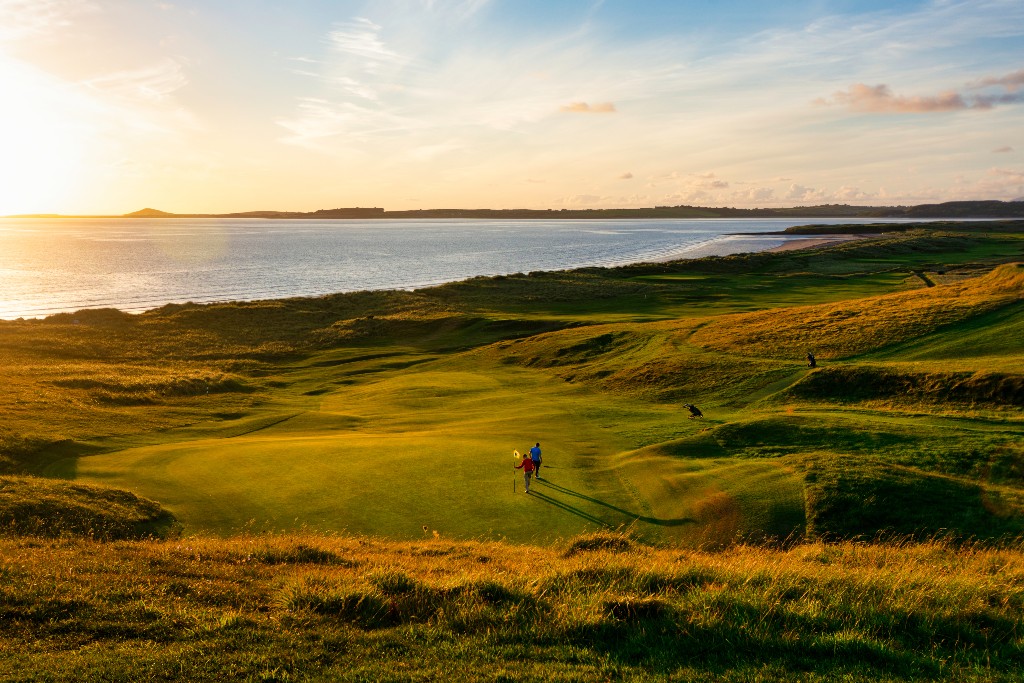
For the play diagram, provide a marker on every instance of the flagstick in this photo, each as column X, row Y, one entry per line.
column 515, row 456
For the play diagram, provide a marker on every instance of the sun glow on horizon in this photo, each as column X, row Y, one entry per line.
column 41, row 141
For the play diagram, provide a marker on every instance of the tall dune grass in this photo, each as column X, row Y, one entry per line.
column 600, row 607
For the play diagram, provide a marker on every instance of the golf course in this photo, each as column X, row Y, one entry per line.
column 360, row 435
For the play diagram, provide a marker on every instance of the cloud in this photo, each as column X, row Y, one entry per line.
column 1011, row 174
column 154, row 83
column 849, row 194
column 585, row 108
column 460, row 9
column 626, row 176
column 801, row 193
column 1011, row 81
column 996, row 183
column 880, row 98
column 27, row 18
column 755, row 194
column 583, row 200
column 318, row 119
column 361, row 38
column 1005, row 149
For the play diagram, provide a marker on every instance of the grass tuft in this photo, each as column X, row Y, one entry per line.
column 608, row 541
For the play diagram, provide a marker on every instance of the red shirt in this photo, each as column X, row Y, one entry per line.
column 526, row 465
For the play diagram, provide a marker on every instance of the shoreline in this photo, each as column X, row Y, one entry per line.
column 792, row 242
column 811, row 242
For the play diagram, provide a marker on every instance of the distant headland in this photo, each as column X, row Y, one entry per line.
column 961, row 209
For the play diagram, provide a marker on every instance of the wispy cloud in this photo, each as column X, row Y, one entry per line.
column 585, row 108
column 319, row 119
column 27, row 18
column 462, row 9
column 361, row 38
column 1005, row 149
column 154, row 83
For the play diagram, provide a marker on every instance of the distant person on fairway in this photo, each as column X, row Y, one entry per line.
column 694, row 410
column 811, row 362
column 527, row 467
column 535, row 457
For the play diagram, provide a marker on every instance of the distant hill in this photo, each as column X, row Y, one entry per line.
column 149, row 213
column 973, row 209
column 962, row 209
column 987, row 209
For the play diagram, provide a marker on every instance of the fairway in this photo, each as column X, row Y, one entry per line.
column 430, row 449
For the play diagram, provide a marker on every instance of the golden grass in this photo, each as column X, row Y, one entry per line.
column 855, row 327
column 599, row 607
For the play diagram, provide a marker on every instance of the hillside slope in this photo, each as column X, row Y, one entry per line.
column 387, row 412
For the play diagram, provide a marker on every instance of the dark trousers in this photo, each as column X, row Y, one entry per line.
column 536, row 468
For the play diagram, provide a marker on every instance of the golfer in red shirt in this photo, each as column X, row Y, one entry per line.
column 527, row 467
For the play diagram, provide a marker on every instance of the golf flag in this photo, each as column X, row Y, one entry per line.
column 515, row 456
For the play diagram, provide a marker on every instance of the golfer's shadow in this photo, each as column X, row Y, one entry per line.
column 597, row 520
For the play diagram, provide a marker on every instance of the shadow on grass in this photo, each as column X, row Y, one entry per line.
column 569, row 508
column 632, row 516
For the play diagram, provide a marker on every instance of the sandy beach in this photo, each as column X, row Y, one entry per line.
column 816, row 241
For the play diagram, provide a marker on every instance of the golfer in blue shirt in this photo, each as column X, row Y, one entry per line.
column 535, row 457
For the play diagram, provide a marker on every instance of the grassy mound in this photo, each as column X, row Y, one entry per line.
column 41, row 507
column 596, row 608
column 856, row 327
column 862, row 497
column 845, row 384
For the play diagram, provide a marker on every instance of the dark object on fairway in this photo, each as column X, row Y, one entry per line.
column 811, row 362
column 694, row 410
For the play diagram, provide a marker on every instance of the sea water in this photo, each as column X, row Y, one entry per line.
column 66, row 264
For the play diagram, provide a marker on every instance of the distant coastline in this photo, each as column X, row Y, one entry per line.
column 961, row 209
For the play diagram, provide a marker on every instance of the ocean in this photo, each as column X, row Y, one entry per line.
column 66, row 264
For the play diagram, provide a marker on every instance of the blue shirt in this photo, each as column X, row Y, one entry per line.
column 535, row 454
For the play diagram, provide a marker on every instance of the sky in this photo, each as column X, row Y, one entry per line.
column 211, row 106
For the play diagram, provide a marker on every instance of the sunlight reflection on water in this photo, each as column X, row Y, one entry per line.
column 55, row 265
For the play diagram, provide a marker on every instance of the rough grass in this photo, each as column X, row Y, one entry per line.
column 864, row 383
column 859, row 496
column 40, row 507
column 598, row 608
column 864, row 325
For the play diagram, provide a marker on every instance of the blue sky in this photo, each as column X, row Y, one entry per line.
column 228, row 105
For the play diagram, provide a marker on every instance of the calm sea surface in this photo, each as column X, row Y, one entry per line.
column 55, row 265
